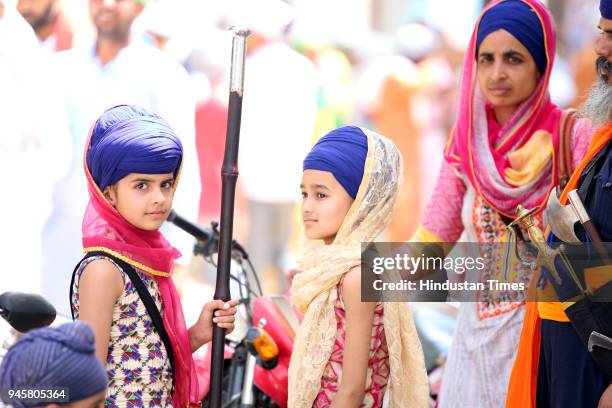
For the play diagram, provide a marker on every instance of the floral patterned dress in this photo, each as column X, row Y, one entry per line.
column 378, row 362
column 137, row 364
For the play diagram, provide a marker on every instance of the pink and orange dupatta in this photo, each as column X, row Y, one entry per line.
column 484, row 159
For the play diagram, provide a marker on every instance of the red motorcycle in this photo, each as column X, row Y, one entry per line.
column 256, row 366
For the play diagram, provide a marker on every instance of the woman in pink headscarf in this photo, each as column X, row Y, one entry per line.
column 502, row 152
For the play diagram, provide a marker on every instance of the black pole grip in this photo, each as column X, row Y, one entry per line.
column 229, row 175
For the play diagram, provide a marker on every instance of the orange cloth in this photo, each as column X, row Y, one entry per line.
column 600, row 139
column 584, row 74
column 523, row 380
column 597, row 276
column 392, row 118
column 552, row 311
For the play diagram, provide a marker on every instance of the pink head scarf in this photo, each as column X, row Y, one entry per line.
column 104, row 229
column 482, row 157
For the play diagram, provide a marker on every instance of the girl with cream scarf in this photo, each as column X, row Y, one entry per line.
column 349, row 187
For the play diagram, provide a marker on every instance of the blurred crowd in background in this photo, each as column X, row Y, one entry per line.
column 313, row 65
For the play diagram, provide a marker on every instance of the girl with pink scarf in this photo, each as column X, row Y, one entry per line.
column 132, row 164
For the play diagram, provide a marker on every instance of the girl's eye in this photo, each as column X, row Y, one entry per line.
column 484, row 58
column 167, row 184
column 304, row 194
column 321, row 195
column 514, row 60
column 140, row 186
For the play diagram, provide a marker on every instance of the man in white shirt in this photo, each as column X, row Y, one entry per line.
column 34, row 151
column 117, row 69
column 46, row 19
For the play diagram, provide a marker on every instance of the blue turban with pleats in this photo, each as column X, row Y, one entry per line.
column 62, row 357
column 520, row 20
column 342, row 152
column 128, row 139
column 605, row 8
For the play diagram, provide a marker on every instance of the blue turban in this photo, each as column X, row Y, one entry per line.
column 128, row 139
column 605, row 8
column 342, row 152
column 55, row 357
column 520, row 20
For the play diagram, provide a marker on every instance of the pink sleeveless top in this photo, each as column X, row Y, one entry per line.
column 378, row 362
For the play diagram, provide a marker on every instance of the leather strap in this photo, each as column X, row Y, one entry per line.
column 144, row 294
column 568, row 119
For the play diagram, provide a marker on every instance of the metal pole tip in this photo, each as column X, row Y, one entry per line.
column 240, row 30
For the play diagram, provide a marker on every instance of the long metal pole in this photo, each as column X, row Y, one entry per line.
column 229, row 175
